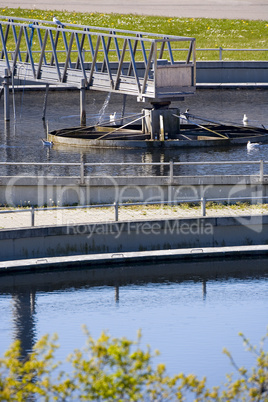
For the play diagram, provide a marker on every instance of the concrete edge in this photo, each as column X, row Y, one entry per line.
column 231, row 85
column 92, row 227
column 115, row 259
column 199, row 85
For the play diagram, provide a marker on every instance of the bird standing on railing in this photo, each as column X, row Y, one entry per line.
column 56, row 21
column 185, row 116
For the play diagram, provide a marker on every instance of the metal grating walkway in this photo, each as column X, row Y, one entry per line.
column 136, row 63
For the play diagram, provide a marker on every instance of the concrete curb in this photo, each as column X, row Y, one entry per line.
column 199, row 85
column 126, row 258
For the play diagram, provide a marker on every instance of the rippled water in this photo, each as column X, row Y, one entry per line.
column 189, row 311
column 20, row 140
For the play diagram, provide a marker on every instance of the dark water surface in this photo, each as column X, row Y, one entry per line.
column 189, row 311
column 20, row 140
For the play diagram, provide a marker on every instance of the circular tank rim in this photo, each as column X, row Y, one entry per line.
column 144, row 144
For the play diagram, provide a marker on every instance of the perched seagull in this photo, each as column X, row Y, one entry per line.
column 245, row 120
column 47, row 143
column 56, row 21
column 185, row 116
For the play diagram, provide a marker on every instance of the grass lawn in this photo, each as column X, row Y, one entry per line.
column 209, row 33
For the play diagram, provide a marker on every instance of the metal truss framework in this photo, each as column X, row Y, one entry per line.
column 137, row 63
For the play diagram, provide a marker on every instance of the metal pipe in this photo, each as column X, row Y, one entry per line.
column 203, row 206
column 116, row 211
column 32, row 216
column 6, row 96
column 261, row 170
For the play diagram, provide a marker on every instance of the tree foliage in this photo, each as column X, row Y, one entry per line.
column 118, row 369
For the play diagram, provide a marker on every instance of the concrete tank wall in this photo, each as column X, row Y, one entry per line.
column 238, row 72
column 119, row 237
column 25, row 191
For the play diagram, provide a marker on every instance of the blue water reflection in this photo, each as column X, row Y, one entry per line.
column 189, row 311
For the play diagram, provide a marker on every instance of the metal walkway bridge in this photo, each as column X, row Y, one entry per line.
column 149, row 66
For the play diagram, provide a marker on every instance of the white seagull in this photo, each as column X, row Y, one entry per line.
column 113, row 117
column 57, row 22
column 245, row 120
column 47, row 143
column 252, row 144
column 185, row 116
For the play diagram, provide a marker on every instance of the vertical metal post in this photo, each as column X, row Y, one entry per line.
column 261, row 171
column 82, row 169
column 203, row 206
column 6, row 96
column 124, row 108
column 171, row 171
column 116, row 211
column 45, row 103
column 32, row 216
column 83, row 117
column 47, row 130
column 220, row 53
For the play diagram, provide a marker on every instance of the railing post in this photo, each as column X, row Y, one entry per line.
column 171, row 171
column 45, row 103
column 32, row 216
column 116, row 211
column 220, row 53
column 82, row 169
column 261, row 171
column 203, row 206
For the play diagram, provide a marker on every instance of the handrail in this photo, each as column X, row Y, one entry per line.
column 83, row 165
column 92, row 27
column 92, row 164
column 84, row 56
column 221, row 49
column 116, row 206
column 217, row 49
column 252, row 162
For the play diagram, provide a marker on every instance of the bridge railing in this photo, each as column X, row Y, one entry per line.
column 83, row 170
column 138, row 63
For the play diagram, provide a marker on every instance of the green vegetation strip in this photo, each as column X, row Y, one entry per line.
column 118, row 369
column 186, row 206
column 210, row 33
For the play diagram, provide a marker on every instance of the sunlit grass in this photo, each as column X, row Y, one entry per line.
column 209, row 33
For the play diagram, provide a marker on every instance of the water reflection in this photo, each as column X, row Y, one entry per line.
column 23, row 308
column 24, row 288
column 204, row 283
